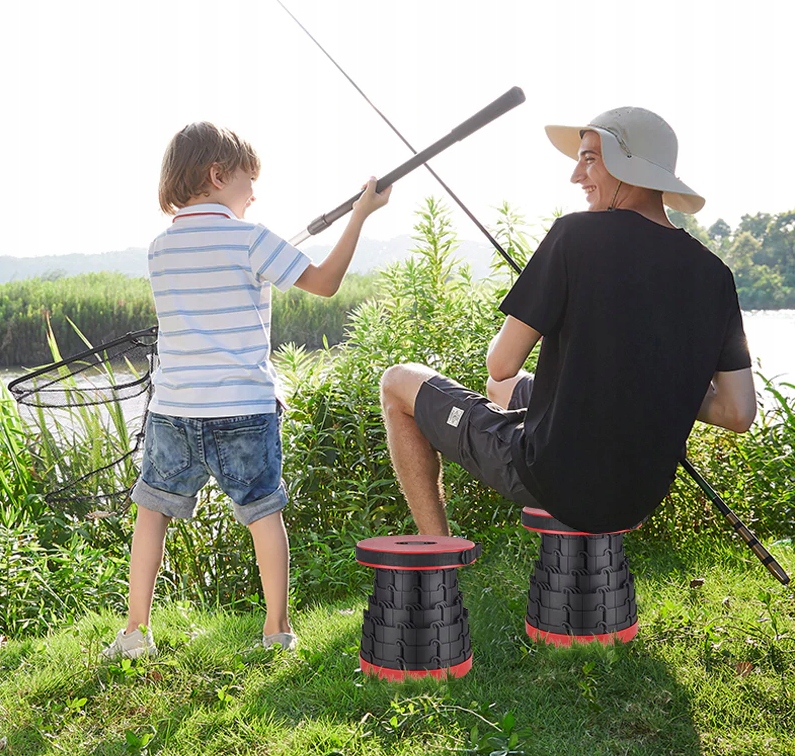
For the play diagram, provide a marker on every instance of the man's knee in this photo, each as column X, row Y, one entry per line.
column 400, row 385
column 492, row 389
column 500, row 392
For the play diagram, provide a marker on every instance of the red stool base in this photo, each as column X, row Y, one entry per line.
column 399, row 675
column 560, row 639
column 582, row 589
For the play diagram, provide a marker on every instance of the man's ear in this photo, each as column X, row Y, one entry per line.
column 216, row 176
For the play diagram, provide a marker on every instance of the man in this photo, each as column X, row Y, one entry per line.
column 642, row 335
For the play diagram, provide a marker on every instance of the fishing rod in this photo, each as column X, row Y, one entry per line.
column 389, row 123
column 500, row 106
column 767, row 559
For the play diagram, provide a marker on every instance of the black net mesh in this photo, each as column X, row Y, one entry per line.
column 89, row 414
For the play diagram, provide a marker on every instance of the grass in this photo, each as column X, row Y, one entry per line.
column 709, row 673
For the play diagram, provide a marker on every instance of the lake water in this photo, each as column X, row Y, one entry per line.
column 771, row 341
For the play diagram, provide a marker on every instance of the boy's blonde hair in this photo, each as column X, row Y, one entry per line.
column 185, row 172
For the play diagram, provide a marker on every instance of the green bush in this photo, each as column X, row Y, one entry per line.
column 428, row 309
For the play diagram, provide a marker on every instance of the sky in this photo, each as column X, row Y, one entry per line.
column 94, row 90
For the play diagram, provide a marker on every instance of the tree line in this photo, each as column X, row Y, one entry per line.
column 104, row 305
column 760, row 252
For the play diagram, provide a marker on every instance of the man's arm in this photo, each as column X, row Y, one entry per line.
column 509, row 349
column 730, row 401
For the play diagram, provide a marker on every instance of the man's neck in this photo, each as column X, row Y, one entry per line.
column 645, row 202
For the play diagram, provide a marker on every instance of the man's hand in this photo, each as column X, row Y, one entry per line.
column 730, row 401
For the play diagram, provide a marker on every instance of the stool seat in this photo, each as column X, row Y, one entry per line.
column 416, row 552
column 581, row 588
column 542, row 521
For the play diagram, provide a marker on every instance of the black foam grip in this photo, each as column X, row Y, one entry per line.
column 513, row 97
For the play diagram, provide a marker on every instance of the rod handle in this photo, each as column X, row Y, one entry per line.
column 513, row 97
column 505, row 102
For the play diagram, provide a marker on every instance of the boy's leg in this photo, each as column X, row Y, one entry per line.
column 145, row 560
column 416, row 462
column 272, row 548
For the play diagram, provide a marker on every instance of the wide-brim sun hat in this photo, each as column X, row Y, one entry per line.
column 638, row 148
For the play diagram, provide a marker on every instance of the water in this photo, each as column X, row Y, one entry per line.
column 771, row 341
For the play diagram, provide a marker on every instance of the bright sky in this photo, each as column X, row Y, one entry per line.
column 94, row 89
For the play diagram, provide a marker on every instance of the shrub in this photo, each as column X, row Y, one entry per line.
column 428, row 309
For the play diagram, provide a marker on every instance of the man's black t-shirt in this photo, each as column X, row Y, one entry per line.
column 636, row 318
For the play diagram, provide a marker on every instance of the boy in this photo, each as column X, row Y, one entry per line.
column 215, row 409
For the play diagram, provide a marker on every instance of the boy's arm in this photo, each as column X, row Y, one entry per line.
column 730, row 401
column 325, row 279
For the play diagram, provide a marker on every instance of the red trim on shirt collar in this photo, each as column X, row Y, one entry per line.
column 194, row 215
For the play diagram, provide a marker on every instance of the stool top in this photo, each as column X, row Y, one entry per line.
column 542, row 521
column 416, row 552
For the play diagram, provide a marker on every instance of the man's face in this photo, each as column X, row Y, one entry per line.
column 590, row 173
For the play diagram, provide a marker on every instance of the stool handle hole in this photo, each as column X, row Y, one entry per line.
column 415, row 543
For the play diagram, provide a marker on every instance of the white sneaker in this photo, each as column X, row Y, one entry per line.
column 130, row 645
column 287, row 641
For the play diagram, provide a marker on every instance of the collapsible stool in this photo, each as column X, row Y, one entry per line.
column 582, row 588
column 416, row 624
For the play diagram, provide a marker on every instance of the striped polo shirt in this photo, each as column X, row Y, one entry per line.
column 211, row 276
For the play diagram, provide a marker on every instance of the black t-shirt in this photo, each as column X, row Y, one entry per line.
column 636, row 318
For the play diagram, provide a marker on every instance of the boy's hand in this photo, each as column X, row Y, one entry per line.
column 370, row 199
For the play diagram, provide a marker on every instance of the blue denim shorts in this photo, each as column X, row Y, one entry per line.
column 243, row 454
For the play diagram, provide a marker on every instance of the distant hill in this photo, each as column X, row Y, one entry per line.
column 132, row 261
column 372, row 254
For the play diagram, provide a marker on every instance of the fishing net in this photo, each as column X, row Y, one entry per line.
column 89, row 414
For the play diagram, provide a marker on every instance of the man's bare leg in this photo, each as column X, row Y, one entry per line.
column 416, row 463
column 500, row 392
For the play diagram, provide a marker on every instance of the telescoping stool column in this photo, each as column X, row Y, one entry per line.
column 582, row 589
column 416, row 624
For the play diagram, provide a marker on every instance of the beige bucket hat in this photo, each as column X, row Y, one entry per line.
column 638, row 148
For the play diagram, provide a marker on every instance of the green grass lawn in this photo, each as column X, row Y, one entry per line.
column 711, row 672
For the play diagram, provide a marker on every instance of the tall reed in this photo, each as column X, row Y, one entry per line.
column 107, row 305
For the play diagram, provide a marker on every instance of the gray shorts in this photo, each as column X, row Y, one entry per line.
column 466, row 428
column 243, row 454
